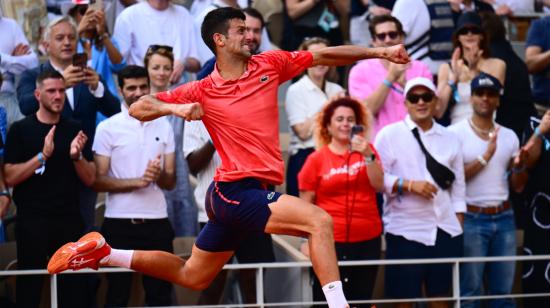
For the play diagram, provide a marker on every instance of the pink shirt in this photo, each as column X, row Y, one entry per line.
column 241, row 115
column 367, row 76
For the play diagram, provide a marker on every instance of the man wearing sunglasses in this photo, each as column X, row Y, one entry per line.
column 421, row 219
column 380, row 82
column 491, row 154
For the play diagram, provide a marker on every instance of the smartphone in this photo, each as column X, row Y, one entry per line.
column 96, row 4
column 356, row 129
column 80, row 60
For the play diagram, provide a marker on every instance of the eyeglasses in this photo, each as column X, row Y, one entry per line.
column 155, row 48
column 427, row 97
column 382, row 36
column 466, row 30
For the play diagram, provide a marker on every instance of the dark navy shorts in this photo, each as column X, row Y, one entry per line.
column 405, row 281
column 235, row 210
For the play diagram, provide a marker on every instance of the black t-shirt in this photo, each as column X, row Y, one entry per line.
column 55, row 191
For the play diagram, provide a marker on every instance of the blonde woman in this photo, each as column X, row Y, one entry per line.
column 182, row 211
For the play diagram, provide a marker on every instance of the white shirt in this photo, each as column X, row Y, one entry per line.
column 477, row 191
column 205, row 52
column 130, row 145
column 195, row 136
column 140, row 26
column 411, row 216
column 303, row 100
column 415, row 17
column 517, row 6
column 10, row 66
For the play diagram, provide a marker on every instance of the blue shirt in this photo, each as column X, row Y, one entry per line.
column 539, row 35
column 104, row 67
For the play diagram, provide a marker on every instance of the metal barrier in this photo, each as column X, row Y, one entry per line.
column 455, row 297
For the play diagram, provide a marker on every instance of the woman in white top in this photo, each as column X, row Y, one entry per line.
column 304, row 99
column 182, row 210
column 470, row 57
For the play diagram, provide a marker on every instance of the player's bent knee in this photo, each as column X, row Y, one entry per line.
column 323, row 221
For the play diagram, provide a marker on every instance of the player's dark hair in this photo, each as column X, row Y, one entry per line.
column 217, row 21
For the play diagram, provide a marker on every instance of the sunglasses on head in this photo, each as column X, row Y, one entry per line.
column 427, row 97
column 382, row 36
column 472, row 30
column 155, row 48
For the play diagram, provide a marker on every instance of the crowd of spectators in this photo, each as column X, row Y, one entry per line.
column 381, row 161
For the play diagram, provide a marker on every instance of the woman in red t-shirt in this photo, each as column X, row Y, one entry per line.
column 342, row 177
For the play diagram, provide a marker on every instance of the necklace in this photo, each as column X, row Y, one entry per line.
column 485, row 132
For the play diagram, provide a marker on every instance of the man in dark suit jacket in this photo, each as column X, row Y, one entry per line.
column 85, row 93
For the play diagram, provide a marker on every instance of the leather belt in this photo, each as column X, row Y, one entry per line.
column 493, row 210
column 138, row 221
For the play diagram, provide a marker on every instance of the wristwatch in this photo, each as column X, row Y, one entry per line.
column 369, row 159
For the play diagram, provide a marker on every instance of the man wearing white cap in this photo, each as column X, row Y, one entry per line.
column 424, row 187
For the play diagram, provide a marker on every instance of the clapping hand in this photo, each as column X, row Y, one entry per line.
column 47, row 149
column 77, row 145
column 152, row 172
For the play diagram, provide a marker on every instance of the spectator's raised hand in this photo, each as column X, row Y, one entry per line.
column 88, row 22
column 397, row 54
column 360, row 144
column 457, row 65
column 100, row 22
column 73, row 75
column 471, row 55
column 521, row 159
column 396, row 71
column 152, row 172
column 77, row 145
column 91, row 78
column 504, row 10
column 424, row 189
column 189, row 112
column 21, row 50
column 455, row 5
column 492, row 145
column 47, row 149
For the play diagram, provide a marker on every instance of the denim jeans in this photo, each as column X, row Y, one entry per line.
column 488, row 235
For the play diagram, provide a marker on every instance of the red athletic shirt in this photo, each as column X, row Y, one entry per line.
column 242, row 116
column 327, row 174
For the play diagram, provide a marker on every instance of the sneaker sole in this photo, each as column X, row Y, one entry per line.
column 63, row 256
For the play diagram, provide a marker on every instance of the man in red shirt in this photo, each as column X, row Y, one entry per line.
column 238, row 105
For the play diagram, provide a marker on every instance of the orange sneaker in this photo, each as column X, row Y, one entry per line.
column 86, row 252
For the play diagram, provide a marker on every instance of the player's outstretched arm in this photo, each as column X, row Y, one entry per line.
column 348, row 54
column 148, row 108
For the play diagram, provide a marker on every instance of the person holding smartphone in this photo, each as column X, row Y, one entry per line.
column 342, row 177
column 470, row 57
column 86, row 93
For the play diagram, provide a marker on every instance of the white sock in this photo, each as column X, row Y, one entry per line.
column 118, row 257
column 335, row 295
